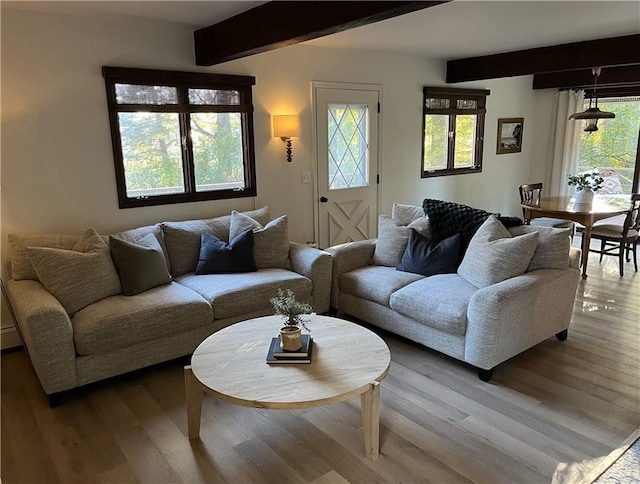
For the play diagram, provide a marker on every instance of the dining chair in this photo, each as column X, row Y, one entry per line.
column 531, row 193
column 618, row 235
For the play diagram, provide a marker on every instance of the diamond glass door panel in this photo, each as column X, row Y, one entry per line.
column 347, row 143
column 348, row 148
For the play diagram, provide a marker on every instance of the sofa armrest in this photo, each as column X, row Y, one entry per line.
column 47, row 333
column 314, row 264
column 347, row 257
column 507, row 318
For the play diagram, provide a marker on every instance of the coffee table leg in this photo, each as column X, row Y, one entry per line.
column 193, row 393
column 370, row 403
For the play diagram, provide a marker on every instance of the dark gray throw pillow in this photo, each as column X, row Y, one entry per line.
column 218, row 257
column 140, row 265
column 421, row 258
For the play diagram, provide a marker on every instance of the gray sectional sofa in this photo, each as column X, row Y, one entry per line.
column 499, row 301
column 72, row 343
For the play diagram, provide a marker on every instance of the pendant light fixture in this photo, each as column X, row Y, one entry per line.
column 593, row 113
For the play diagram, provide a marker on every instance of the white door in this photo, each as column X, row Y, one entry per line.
column 346, row 121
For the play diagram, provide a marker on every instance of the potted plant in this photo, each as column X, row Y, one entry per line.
column 287, row 306
column 586, row 185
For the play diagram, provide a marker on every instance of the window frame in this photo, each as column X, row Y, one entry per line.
column 454, row 95
column 182, row 81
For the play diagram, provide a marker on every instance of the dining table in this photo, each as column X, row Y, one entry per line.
column 566, row 208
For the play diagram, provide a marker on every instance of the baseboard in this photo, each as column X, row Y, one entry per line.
column 9, row 338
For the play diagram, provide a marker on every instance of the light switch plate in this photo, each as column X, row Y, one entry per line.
column 306, row 177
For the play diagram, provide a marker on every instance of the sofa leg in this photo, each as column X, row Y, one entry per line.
column 562, row 335
column 55, row 399
column 485, row 375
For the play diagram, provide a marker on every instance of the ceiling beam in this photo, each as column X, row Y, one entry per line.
column 624, row 76
column 613, row 51
column 278, row 24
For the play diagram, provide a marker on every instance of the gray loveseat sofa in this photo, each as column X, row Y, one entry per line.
column 469, row 314
column 71, row 343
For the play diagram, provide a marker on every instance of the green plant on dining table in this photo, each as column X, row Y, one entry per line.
column 286, row 304
column 592, row 180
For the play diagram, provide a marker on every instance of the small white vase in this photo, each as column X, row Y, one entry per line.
column 584, row 196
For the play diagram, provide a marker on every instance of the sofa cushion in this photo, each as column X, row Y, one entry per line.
column 440, row 301
column 405, row 214
column 375, row 283
column 234, row 294
column 494, row 255
column 449, row 218
column 421, row 257
column 121, row 321
column 21, row 267
column 270, row 241
column 218, row 257
column 80, row 276
column 182, row 239
column 141, row 265
column 552, row 251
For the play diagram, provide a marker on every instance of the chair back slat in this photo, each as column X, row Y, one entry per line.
column 530, row 193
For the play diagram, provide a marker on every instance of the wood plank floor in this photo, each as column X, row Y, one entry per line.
column 550, row 414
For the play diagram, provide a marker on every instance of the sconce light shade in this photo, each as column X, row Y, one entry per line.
column 286, row 126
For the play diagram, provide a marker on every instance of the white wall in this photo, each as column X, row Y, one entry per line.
column 57, row 166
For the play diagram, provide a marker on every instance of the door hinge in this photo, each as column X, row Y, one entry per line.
column 378, row 107
column 377, row 179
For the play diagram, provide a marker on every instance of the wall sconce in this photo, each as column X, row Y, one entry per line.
column 285, row 127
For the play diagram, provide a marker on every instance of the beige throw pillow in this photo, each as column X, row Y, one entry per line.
column 21, row 267
column 494, row 255
column 80, row 276
column 270, row 242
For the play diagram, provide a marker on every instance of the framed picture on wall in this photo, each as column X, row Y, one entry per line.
column 509, row 135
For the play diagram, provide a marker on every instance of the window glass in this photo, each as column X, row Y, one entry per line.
column 465, row 140
column 213, row 97
column 436, row 129
column 151, row 153
column 612, row 149
column 217, row 151
column 137, row 94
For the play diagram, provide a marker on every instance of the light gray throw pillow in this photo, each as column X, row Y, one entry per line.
column 393, row 237
column 80, row 276
column 270, row 242
column 140, row 265
column 405, row 214
column 553, row 247
column 494, row 255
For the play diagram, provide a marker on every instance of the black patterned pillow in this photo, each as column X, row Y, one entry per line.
column 449, row 218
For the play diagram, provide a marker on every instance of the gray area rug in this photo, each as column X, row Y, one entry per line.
column 625, row 470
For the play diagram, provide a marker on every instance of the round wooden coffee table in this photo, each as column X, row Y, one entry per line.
column 347, row 360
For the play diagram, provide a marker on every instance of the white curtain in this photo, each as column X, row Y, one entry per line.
column 565, row 137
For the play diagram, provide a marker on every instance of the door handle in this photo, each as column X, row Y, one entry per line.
column 324, row 199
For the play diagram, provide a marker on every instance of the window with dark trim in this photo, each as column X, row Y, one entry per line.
column 180, row 136
column 452, row 130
